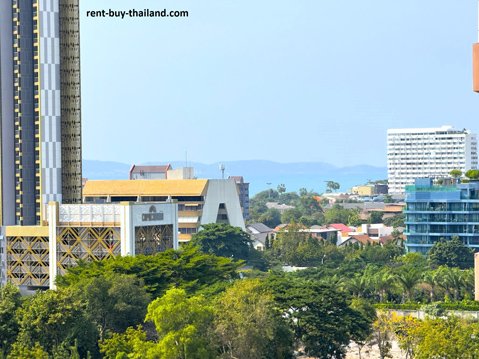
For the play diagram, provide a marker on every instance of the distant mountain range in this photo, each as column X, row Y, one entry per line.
column 260, row 174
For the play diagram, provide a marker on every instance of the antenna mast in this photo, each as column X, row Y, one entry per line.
column 222, row 169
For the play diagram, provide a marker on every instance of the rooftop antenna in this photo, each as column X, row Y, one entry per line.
column 222, row 169
column 186, row 158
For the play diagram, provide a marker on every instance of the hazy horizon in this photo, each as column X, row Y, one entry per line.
column 279, row 80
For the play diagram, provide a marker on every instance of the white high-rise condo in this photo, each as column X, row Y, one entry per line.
column 428, row 152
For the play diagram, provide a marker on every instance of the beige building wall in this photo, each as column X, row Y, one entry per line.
column 363, row 190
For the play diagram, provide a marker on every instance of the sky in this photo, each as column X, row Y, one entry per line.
column 287, row 81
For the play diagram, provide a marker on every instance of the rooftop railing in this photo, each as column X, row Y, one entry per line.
column 414, row 188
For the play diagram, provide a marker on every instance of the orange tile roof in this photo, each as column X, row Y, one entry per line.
column 145, row 187
column 363, row 238
column 341, row 227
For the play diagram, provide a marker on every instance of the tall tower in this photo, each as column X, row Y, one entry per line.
column 40, row 107
column 428, row 152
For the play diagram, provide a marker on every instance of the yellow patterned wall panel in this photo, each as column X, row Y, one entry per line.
column 87, row 244
column 27, row 259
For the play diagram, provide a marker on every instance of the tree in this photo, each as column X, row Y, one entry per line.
column 36, row 352
column 376, row 217
column 10, row 301
column 388, row 199
column 291, row 215
column 281, row 189
column 452, row 280
column 455, row 173
column 449, row 337
column 358, row 285
column 405, row 329
column 354, row 219
column 247, row 324
column 472, row 174
column 187, row 268
column 292, row 246
column 396, row 221
column 407, row 278
column 332, row 186
column 452, row 253
column 130, row 344
column 383, row 281
column 223, row 240
column 289, row 198
column 114, row 301
column 266, row 196
column 382, row 335
column 55, row 320
column 272, row 217
column 256, row 209
column 361, row 334
column 339, row 214
column 182, row 325
column 319, row 314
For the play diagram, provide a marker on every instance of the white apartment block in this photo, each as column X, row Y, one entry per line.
column 428, row 152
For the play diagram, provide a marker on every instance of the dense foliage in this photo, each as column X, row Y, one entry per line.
column 308, row 208
column 189, row 269
column 190, row 304
column 452, row 253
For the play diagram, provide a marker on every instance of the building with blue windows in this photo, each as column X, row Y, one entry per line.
column 436, row 212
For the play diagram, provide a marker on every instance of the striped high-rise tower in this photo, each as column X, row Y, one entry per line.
column 40, row 107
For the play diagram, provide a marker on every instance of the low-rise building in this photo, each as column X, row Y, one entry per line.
column 366, row 190
column 376, row 230
column 149, row 172
column 260, row 234
column 326, row 233
column 359, row 239
column 200, row 201
column 35, row 255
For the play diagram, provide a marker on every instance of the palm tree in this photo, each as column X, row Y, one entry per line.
column 429, row 278
column 408, row 278
column 452, row 280
column 358, row 285
column 383, row 282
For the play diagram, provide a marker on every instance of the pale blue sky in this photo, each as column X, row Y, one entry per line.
column 298, row 80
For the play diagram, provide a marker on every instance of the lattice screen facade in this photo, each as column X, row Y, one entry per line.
column 153, row 239
column 27, row 259
column 86, row 243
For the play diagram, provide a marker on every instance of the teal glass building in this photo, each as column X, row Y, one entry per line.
column 436, row 212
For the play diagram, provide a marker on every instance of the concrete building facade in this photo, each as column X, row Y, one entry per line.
column 40, row 116
column 200, row 201
column 428, row 152
column 441, row 212
column 40, row 112
column 35, row 255
column 149, row 172
column 243, row 192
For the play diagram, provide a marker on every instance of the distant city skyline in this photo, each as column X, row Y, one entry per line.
column 274, row 80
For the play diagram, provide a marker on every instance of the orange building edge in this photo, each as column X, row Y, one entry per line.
column 476, row 276
column 475, row 67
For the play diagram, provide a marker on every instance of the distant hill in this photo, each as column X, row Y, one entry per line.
column 260, row 174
